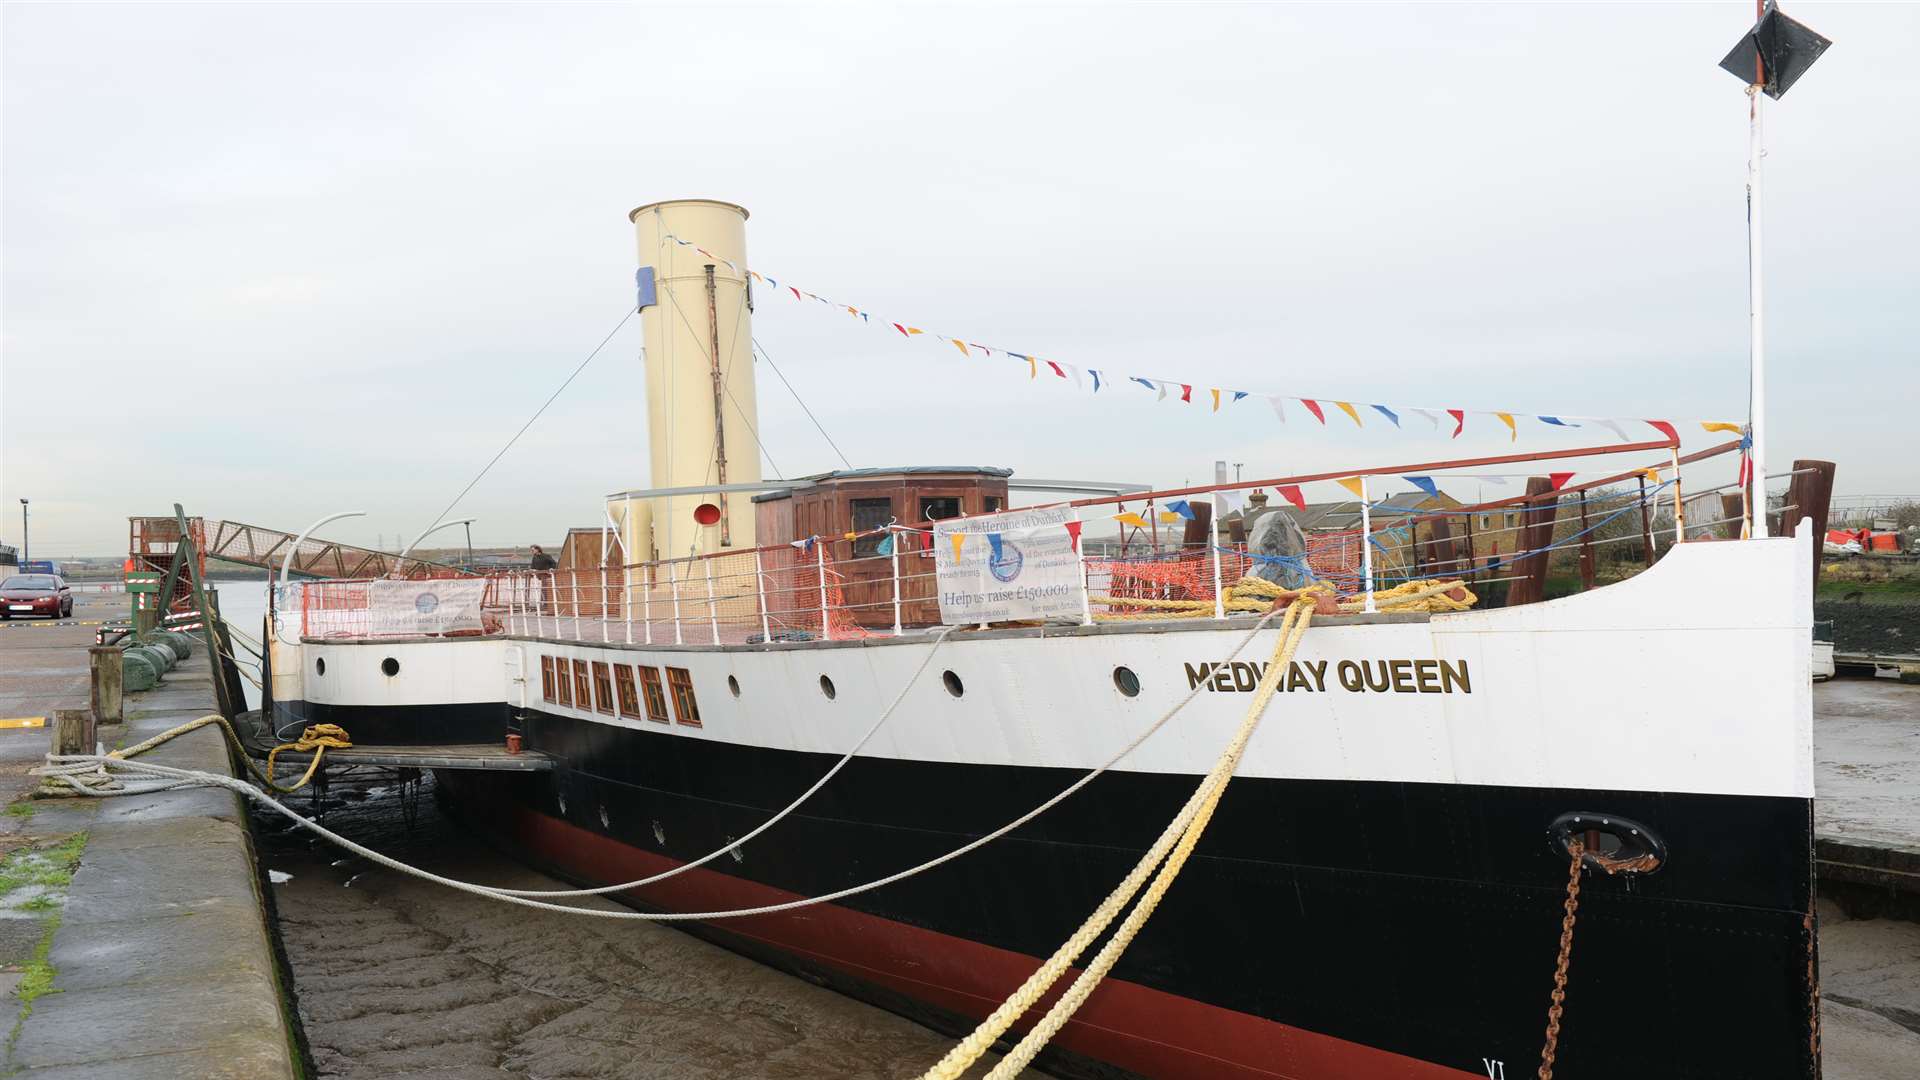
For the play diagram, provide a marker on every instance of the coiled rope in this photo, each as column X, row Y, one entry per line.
column 1254, row 594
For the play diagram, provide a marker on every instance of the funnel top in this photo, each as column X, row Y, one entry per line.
column 638, row 210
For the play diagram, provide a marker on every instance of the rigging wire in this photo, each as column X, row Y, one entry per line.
column 536, row 415
column 751, row 430
column 762, row 349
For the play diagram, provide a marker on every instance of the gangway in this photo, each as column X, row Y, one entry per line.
column 152, row 540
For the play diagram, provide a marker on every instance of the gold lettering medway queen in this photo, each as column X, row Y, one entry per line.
column 1353, row 676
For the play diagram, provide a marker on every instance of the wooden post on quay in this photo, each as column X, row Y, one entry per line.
column 73, row 731
column 1808, row 495
column 105, row 663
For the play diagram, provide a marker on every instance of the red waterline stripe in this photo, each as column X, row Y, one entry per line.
column 1136, row 1027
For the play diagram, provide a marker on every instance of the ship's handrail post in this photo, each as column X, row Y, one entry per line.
column 573, row 580
column 1213, row 542
column 647, row 577
column 626, row 600
column 713, row 609
column 1679, row 512
column 606, row 598
column 1366, row 544
column 760, row 582
column 1086, row 586
column 673, row 568
column 552, row 598
column 893, row 549
column 820, row 560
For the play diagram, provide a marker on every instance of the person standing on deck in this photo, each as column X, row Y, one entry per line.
column 540, row 563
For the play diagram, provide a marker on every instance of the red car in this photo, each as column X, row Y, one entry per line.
column 35, row 594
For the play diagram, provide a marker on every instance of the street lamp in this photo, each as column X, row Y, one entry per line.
column 26, row 546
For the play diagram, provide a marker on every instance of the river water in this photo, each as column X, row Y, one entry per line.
column 399, row 978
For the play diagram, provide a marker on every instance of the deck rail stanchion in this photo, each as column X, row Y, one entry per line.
column 1366, row 544
column 553, row 598
column 820, row 561
column 760, row 582
column 713, row 609
column 1086, row 585
column 893, row 549
column 649, row 574
column 673, row 568
column 1679, row 512
column 1213, row 542
column 1646, row 523
column 606, row 600
column 573, row 583
column 626, row 602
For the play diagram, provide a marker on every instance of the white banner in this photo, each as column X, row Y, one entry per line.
column 440, row 606
column 1019, row 565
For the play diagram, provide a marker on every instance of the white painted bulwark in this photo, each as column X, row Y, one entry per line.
column 1691, row 677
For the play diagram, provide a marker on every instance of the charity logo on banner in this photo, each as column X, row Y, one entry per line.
column 1019, row 565
column 439, row 606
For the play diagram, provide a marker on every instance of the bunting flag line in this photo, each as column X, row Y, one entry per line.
column 1220, row 396
column 1424, row 483
column 1182, row 509
column 1354, row 484
column 1559, row 479
column 1073, row 534
column 1291, row 493
column 1131, row 518
column 959, row 540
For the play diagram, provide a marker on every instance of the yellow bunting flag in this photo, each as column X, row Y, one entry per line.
column 1716, row 425
column 958, row 344
column 1131, row 518
column 1355, row 485
column 1168, row 517
column 1216, row 399
column 1349, row 410
column 959, row 540
column 1652, row 475
column 1507, row 419
column 915, row 330
column 1033, row 368
column 853, row 311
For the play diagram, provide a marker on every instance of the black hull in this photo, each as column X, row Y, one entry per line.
column 1418, row 919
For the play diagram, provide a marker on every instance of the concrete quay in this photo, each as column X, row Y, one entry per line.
column 133, row 929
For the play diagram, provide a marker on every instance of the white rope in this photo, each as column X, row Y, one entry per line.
column 81, row 772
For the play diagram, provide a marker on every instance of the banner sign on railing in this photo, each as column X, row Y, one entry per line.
column 1020, row 565
column 448, row 605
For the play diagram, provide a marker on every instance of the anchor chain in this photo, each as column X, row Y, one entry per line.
column 1576, row 850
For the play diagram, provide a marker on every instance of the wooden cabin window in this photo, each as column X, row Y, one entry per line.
column 546, row 677
column 656, row 696
column 582, row 685
column 680, row 681
column 563, row 681
column 602, row 687
column 991, row 504
column 869, row 514
column 629, row 698
column 936, row 509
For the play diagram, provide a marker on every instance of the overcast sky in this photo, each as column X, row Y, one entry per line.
column 273, row 261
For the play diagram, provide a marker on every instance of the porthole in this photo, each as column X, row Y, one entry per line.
column 733, row 686
column 952, row 683
column 320, row 665
column 826, row 687
column 1125, row 681
column 390, row 667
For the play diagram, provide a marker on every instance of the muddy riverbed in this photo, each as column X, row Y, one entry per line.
column 401, row 979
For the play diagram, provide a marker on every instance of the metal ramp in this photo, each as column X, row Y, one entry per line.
column 152, row 540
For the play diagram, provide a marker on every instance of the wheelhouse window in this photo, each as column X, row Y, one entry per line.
column 602, row 687
column 680, row 681
column 563, row 680
column 870, row 514
column 546, row 677
column 938, row 509
column 991, row 504
column 629, row 697
column 582, row 685
column 655, row 694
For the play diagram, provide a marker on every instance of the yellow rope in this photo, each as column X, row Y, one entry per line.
column 1254, row 594
column 1177, row 841
column 316, row 738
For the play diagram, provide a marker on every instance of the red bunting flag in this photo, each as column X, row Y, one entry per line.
column 1559, row 479
column 794, row 291
column 1314, row 408
column 1291, row 493
column 1073, row 533
column 1459, row 421
column 1186, row 393
column 1056, row 369
column 1665, row 428
column 902, row 329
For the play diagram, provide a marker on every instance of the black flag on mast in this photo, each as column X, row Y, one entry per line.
column 1786, row 47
